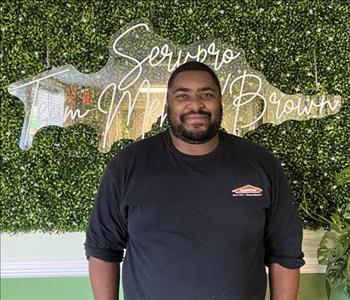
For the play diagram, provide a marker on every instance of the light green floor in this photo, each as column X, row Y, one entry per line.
column 78, row 288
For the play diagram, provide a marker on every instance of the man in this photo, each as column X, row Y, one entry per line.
column 199, row 211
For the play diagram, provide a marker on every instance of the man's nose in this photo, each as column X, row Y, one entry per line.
column 196, row 102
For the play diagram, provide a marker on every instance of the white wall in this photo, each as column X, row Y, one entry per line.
column 43, row 255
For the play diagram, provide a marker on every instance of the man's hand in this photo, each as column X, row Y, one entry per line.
column 104, row 278
column 284, row 283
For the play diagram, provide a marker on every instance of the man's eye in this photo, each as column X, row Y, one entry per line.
column 207, row 95
column 181, row 96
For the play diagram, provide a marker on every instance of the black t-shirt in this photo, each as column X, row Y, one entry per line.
column 195, row 227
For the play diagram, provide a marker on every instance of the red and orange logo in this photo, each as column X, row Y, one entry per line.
column 247, row 190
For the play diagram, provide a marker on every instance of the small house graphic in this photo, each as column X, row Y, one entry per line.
column 247, row 189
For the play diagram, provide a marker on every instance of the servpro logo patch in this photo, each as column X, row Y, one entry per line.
column 247, row 190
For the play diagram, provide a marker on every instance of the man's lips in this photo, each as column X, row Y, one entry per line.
column 195, row 117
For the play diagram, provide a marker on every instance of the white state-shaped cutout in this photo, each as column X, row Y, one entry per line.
column 128, row 94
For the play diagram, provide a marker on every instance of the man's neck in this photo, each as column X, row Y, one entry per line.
column 195, row 149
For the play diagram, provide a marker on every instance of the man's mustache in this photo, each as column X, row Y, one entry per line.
column 200, row 112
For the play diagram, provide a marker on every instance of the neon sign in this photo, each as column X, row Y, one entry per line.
column 128, row 94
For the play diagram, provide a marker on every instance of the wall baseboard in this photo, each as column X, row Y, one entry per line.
column 62, row 255
column 44, row 267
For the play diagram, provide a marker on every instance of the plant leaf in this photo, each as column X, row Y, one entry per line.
column 343, row 177
column 328, row 289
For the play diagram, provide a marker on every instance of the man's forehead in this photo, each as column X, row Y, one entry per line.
column 193, row 79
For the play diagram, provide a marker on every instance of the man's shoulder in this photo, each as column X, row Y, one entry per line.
column 243, row 143
column 250, row 154
column 139, row 149
column 140, row 146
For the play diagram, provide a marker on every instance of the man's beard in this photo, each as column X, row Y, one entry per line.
column 192, row 137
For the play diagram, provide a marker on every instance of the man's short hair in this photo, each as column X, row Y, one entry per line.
column 194, row 66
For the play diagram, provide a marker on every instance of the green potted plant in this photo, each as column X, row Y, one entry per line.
column 334, row 248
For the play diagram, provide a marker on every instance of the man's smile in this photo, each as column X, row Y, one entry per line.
column 195, row 117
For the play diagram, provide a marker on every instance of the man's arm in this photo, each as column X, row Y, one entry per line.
column 104, row 278
column 284, row 282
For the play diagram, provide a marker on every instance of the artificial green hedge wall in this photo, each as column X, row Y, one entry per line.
column 51, row 186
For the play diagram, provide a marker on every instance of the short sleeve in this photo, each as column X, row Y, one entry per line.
column 106, row 236
column 283, row 231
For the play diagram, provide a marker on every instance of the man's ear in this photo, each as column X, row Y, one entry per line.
column 166, row 102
